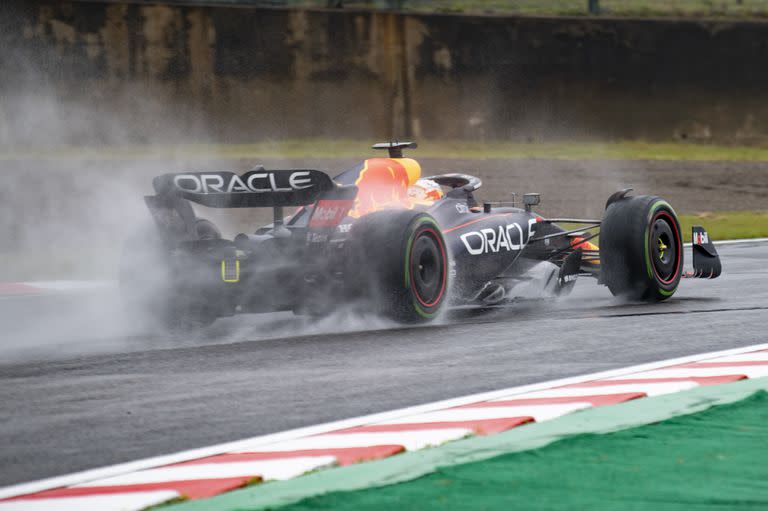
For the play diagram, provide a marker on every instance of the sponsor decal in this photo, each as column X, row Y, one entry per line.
column 256, row 181
column 329, row 213
column 700, row 238
column 491, row 240
column 462, row 208
column 313, row 237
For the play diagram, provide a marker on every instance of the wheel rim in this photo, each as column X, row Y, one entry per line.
column 665, row 248
column 427, row 268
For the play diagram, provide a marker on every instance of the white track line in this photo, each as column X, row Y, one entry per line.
column 747, row 357
column 268, row 470
column 410, row 440
column 69, row 285
column 650, row 389
column 538, row 412
column 133, row 501
column 701, row 372
column 251, row 443
column 736, row 242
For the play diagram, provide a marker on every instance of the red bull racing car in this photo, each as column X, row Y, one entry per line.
column 384, row 238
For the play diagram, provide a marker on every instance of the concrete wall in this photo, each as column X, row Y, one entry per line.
column 91, row 72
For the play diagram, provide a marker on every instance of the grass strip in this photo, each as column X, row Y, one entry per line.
column 721, row 225
column 410, row 466
column 713, row 459
column 623, row 8
column 727, row 225
column 456, row 149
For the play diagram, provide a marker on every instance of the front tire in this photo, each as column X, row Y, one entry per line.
column 641, row 249
column 400, row 262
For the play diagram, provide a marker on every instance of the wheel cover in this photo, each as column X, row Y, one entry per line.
column 665, row 247
column 428, row 268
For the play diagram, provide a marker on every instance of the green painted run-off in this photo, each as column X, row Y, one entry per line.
column 728, row 471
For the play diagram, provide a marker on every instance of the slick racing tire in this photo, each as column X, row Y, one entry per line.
column 400, row 262
column 641, row 249
column 150, row 290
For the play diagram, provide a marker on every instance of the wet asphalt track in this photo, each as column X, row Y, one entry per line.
column 79, row 390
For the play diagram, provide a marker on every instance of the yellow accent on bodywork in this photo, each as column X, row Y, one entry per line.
column 224, row 271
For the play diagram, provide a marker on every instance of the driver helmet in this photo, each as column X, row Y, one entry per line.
column 425, row 190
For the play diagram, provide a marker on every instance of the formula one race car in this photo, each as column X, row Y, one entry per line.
column 384, row 238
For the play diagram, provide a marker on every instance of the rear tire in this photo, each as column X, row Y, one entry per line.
column 641, row 249
column 399, row 261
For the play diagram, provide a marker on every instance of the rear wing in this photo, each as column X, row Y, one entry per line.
column 258, row 188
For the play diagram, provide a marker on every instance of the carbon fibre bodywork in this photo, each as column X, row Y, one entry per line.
column 301, row 264
column 310, row 262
